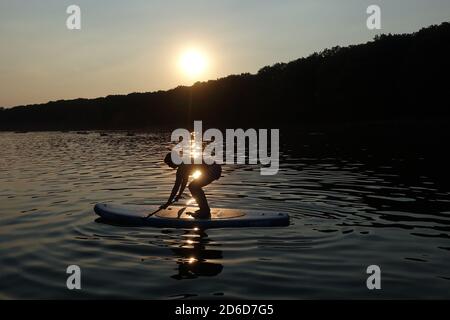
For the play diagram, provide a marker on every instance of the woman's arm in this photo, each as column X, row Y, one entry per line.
column 183, row 186
column 176, row 186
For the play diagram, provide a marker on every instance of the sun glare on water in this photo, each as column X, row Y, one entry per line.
column 193, row 63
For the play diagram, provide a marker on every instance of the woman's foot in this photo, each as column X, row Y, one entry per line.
column 201, row 214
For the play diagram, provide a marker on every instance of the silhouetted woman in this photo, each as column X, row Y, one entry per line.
column 208, row 173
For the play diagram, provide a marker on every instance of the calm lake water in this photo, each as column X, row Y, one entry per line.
column 347, row 212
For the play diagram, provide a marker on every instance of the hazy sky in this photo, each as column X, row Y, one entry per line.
column 134, row 45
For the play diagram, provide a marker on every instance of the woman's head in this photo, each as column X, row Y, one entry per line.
column 169, row 162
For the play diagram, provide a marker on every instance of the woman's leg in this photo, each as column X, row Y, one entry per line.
column 195, row 187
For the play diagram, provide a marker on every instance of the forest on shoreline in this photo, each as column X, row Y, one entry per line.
column 393, row 77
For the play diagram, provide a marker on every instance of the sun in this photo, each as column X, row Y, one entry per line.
column 193, row 63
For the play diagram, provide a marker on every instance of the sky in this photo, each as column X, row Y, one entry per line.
column 135, row 45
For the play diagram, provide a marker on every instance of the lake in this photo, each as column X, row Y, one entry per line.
column 349, row 209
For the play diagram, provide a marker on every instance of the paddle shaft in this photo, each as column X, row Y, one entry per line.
column 159, row 209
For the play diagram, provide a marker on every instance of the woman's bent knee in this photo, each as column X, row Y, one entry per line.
column 193, row 187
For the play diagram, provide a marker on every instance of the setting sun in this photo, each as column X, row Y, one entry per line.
column 193, row 63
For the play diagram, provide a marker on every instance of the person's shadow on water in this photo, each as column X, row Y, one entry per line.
column 194, row 258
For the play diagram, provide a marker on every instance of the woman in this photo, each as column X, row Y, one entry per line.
column 208, row 173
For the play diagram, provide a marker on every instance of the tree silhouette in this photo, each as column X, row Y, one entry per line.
column 393, row 77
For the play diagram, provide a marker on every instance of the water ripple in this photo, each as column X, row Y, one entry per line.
column 347, row 212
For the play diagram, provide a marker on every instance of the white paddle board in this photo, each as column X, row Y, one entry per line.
column 179, row 217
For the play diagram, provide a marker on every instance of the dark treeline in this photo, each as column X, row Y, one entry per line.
column 393, row 77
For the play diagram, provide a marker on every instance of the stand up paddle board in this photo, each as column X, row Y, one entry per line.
column 179, row 217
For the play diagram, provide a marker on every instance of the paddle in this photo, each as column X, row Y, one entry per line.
column 159, row 209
